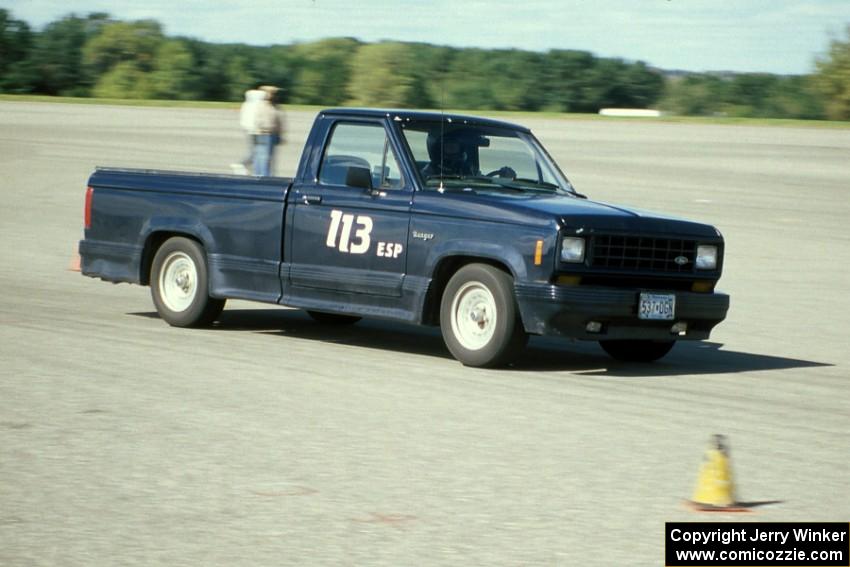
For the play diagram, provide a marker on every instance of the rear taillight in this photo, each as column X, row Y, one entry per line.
column 87, row 214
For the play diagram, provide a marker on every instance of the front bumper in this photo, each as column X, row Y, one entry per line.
column 549, row 309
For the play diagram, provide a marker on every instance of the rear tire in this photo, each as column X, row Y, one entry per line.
column 333, row 318
column 179, row 284
column 637, row 350
column 479, row 318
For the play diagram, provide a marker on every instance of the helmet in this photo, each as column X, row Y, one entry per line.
column 446, row 149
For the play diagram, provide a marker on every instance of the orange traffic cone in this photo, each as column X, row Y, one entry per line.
column 715, row 490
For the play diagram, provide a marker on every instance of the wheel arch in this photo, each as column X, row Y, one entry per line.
column 443, row 271
column 153, row 242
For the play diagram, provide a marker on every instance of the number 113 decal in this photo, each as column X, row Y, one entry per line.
column 361, row 241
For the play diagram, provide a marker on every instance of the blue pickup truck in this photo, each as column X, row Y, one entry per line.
column 433, row 219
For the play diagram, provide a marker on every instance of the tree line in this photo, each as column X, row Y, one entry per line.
column 97, row 56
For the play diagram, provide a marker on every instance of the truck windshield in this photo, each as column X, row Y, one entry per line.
column 455, row 154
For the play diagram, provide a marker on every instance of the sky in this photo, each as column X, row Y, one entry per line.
column 773, row 36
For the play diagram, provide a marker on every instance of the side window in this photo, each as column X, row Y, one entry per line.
column 418, row 142
column 360, row 145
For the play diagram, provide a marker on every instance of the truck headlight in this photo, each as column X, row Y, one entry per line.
column 706, row 257
column 572, row 249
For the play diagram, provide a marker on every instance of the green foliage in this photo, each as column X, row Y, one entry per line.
column 322, row 71
column 431, row 64
column 135, row 60
column 795, row 97
column 95, row 55
column 464, row 85
column 381, row 75
column 173, row 75
column 123, row 42
column 277, row 64
column 124, row 80
column 833, row 79
column 515, row 79
column 694, row 95
column 605, row 86
column 640, row 86
column 15, row 38
column 15, row 43
column 568, row 78
column 746, row 95
column 56, row 59
column 240, row 74
column 211, row 79
column 506, row 79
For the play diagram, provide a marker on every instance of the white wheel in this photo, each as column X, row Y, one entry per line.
column 478, row 316
column 178, row 282
column 474, row 315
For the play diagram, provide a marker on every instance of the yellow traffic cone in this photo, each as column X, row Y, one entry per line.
column 715, row 490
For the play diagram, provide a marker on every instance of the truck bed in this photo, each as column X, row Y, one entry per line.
column 238, row 219
column 190, row 182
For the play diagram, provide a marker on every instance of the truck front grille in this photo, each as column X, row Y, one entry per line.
column 640, row 253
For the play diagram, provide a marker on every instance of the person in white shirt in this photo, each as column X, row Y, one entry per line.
column 268, row 128
column 247, row 115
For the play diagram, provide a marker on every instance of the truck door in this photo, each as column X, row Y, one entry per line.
column 350, row 223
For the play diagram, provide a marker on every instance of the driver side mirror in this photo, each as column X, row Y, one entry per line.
column 359, row 177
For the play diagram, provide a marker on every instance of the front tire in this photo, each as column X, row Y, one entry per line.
column 179, row 284
column 637, row 350
column 479, row 318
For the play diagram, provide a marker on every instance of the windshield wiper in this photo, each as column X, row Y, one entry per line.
column 528, row 184
column 478, row 181
column 537, row 184
column 438, row 176
column 487, row 182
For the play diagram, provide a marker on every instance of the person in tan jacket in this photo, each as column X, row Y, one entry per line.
column 268, row 127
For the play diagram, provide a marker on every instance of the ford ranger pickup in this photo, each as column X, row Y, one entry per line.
column 428, row 218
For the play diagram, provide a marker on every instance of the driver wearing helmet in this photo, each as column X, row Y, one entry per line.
column 449, row 155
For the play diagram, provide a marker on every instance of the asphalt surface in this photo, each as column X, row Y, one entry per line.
column 271, row 439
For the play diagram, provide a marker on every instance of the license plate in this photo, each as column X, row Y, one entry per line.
column 657, row 306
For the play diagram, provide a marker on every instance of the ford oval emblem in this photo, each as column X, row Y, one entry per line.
column 681, row 260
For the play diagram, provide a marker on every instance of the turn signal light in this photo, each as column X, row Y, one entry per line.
column 87, row 213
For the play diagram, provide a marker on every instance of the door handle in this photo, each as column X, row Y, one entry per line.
column 311, row 199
